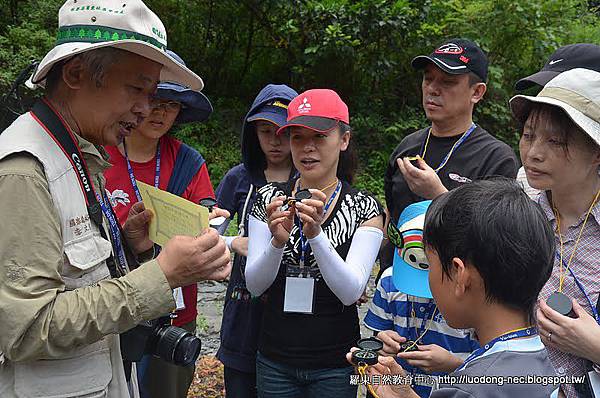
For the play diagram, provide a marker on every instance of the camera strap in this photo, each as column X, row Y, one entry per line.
column 53, row 124
column 57, row 129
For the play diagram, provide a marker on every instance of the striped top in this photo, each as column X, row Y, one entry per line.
column 586, row 267
column 392, row 310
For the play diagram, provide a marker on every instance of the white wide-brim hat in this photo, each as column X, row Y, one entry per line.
column 130, row 25
column 576, row 92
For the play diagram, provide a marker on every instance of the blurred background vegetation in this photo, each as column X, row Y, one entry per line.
column 362, row 49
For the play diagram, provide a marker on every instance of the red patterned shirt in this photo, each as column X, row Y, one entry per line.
column 586, row 267
column 123, row 197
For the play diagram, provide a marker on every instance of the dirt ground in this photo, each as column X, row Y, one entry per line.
column 208, row 380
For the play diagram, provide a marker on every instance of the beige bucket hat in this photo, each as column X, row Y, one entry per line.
column 576, row 91
column 84, row 25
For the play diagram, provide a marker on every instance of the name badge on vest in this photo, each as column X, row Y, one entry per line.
column 299, row 295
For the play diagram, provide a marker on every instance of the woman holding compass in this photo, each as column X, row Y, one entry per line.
column 560, row 151
column 313, row 242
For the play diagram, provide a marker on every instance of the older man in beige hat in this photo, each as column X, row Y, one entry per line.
column 65, row 287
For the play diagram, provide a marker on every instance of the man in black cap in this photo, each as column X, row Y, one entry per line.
column 571, row 56
column 453, row 150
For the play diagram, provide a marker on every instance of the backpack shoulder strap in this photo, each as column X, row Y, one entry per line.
column 187, row 164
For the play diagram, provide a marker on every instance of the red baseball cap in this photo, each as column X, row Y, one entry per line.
column 318, row 109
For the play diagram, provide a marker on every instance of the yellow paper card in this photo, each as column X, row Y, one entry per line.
column 173, row 215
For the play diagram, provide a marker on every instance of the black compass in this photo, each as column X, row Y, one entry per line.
column 368, row 351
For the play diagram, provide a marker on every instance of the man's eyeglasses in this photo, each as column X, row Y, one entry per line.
column 167, row 106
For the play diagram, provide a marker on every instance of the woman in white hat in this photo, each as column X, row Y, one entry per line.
column 560, row 151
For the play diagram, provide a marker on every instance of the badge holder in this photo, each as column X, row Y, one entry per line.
column 299, row 295
column 178, row 297
column 561, row 303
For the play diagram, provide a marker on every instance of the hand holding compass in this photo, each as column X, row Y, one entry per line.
column 216, row 216
column 300, row 195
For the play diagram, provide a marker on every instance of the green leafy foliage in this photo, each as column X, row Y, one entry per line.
column 360, row 48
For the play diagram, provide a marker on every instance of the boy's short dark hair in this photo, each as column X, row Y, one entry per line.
column 494, row 226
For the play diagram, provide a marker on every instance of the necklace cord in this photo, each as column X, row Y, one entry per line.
column 414, row 343
column 562, row 274
column 362, row 368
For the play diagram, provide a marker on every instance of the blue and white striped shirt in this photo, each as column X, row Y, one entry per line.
column 393, row 310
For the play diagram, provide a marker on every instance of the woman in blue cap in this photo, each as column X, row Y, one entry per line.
column 156, row 158
column 266, row 158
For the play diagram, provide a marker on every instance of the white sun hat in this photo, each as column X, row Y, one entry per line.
column 85, row 25
column 576, row 91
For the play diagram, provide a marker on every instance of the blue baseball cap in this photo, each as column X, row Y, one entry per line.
column 411, row 269
column 195, row 106
column 273, row 111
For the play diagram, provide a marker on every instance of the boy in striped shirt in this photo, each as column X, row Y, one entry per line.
column 404, row 315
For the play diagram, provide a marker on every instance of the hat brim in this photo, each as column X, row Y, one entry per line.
column 196, row 107
column 537, row 79
column 410, row 280
column 422, row 61
column 316, row 123
column 172, row 70
column 277, row 118
column 520, row 106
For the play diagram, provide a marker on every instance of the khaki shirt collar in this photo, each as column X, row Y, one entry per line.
column 95, row 155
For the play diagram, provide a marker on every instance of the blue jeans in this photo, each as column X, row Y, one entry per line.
column 274, row 379
column 239, row 384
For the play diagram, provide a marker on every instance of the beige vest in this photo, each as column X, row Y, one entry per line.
column 95, row 370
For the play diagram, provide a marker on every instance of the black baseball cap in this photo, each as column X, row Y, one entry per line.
column 456, row 56
column 580, row 55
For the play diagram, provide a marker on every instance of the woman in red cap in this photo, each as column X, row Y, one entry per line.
column 313, row 243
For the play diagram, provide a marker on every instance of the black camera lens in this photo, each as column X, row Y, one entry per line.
column 187, row 350
column 177, row 346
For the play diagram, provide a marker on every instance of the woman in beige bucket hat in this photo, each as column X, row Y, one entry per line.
column 560, row 151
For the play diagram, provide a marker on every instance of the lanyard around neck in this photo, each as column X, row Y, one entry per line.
column 580, row 285
column 132, row 176
column 456, row 145
column 114, row 230
column 304, row 245
column 513, row 334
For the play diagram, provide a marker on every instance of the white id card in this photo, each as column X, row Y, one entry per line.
column 178, row 296
column 299, row 295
